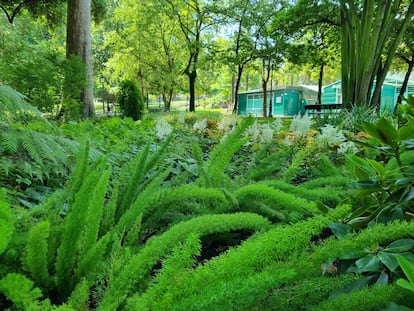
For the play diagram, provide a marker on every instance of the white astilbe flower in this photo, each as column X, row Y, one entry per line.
column 300, row 125
column 227, row 123
column 261, row 133
column 254, row 131
column 162, row 129
column 330, row 136
column 277, row 125
column 266, row 134
column 347, row 147
column 200, row 126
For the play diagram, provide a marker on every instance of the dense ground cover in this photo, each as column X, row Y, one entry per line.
column 206, row 211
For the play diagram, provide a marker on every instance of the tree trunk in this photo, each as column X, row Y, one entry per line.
column 236, row 92
column 192, row 76
column 320, row 81
column 406, row 78
column 78, row 42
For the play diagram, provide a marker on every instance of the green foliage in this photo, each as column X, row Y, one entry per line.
column 213, row 169
column 20, row 291
column 37, row 253
column 274, row 204
column 372, row 298
column 6, row 222
column 389, row 185
column 136, row 271
column 81, row 226
column 408, row 269
column 73, row 84
column 130, row 100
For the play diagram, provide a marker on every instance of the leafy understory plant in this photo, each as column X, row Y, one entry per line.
column 407, row 267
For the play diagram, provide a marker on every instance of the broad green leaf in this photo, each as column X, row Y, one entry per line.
column 377, row 167
column 405, row 284
column 387, row 132
column 408, row 269
column 389, row 260
column 340, row 230
column 368, row 263
column 383, row 278
column 406, row 132
column 408, row 195
column 401, row 245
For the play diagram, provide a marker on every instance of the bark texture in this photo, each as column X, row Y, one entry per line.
column 78, row 42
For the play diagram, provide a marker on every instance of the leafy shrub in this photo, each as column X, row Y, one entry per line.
column 130, row 100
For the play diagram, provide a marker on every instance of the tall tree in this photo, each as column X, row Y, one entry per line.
column 246, row 23
column 147, row 47
column 405, row 52
column 48, row 8
column 194, row 17
column 371, row 32
column 78, row 42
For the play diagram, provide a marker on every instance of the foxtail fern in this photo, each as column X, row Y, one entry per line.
column 136, row 270
column 258, row 265
column 221, row 155
column 37, row 253
column 137, row 181
column 81, row 224
column 6, row 222
column 273, row 203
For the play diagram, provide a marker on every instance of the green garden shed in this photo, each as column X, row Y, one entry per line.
column 332, row 93
column 287, row 101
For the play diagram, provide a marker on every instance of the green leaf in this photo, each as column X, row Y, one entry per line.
column 383, row 278
column 401, row 245
column 389, row 260
column 383, row 130
column 405, row 284
column 409, row 195
column 378, row 167
column 408, row 269
column 406, row 132
column 340, row 230
column 368, row 263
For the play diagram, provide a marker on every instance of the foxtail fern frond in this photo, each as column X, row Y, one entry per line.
column 221, row 155
column 137, row 269
column 330, row 196
column 273, row 203
column 338, row 181
column 153, row 205
column 262, row 258
column 37, row 253
column 135, row 183
column 78, row 234
column 19, row 289
column 293, row 167
column 371, row 298
column 6, row 222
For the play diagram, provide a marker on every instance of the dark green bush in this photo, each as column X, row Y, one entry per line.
column 130, row 100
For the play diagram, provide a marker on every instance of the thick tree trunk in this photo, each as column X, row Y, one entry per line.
column 192, row 76
column 78, row 42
